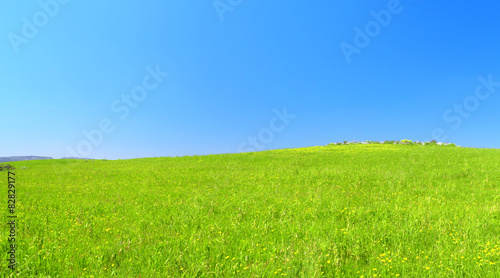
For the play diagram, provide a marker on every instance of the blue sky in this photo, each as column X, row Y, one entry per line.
column 234, row 70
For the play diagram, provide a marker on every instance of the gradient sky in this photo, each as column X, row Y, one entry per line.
column 230, row 71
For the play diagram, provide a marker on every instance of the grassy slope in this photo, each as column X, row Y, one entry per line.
column 350, row 211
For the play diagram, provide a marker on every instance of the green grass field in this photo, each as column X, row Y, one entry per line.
column 334, row 211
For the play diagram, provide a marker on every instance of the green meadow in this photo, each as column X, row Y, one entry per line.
column 378, row 210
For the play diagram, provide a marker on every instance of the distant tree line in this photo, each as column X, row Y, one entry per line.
column 396, row 142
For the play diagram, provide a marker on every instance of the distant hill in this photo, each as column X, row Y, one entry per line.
column 22, row 158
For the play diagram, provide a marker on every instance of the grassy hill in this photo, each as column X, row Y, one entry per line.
column 339, row 210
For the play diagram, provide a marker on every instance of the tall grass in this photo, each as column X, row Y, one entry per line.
column 334, row 211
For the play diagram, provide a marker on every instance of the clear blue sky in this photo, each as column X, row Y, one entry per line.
column 65, row 66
